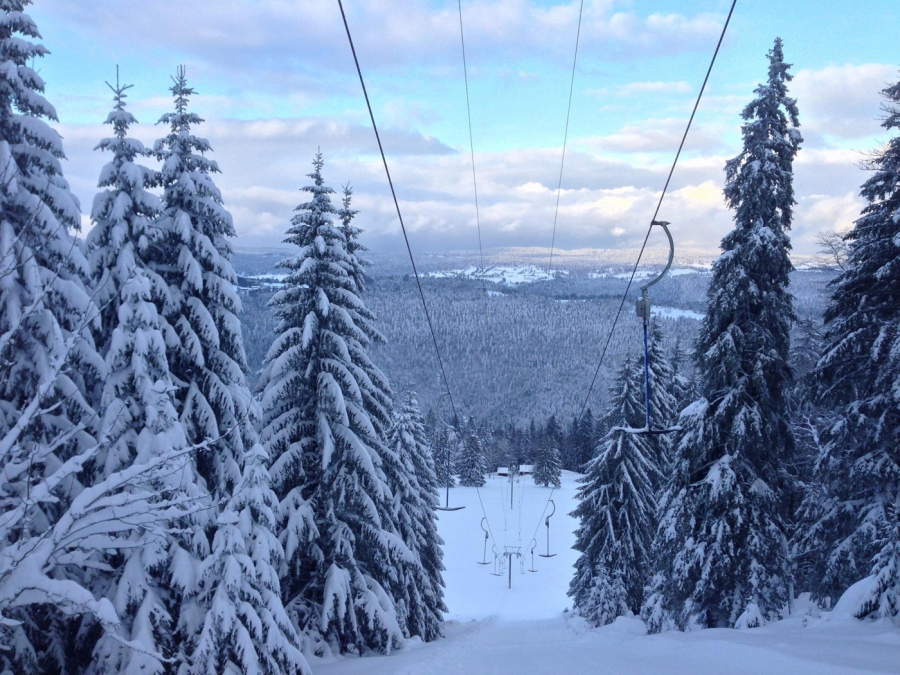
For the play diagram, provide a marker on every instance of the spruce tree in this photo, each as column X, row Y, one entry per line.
column 193, row 255
column 858, row 467
column 617, row 508
column 584, row 441
column 207, row 359
column 471, row 465
column 682, row 387
column 50, row 366
column 246, row 628
column 414, row 499
column 137, row 401
column 547, row 465
column 341, row 545
column 721, row 543
column 351, row 235
column 662, row 398
column 442, row 449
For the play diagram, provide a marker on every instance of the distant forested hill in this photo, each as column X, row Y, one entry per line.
column 513, row 352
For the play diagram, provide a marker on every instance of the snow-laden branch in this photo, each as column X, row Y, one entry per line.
column 99, row 517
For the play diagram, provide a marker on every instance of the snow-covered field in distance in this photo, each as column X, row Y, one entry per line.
column 579, row 261
column 675, row 313
column 493, row 630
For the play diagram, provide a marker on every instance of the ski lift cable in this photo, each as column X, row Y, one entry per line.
column 562, row 161
column 399, row 215
column 412, row 260
column 462, row 40
column 658, row 206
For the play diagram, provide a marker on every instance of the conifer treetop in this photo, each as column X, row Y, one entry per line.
column 759, row 182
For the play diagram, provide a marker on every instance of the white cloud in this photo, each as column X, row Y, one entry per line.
column 269, row 44
column 680, row 87
column 818, row 213
column 842, row 101
column 605, row 202
column 657, row 135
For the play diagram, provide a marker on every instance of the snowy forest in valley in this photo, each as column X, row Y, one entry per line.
column 235, row 463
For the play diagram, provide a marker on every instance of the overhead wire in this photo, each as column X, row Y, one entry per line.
column 658, row 206
column 558, row 194
column 462, row 40
column 647, row 236
column 556, row 214
column 562, row 161
column 412, row 260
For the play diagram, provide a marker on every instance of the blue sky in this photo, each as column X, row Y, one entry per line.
column 275, row 80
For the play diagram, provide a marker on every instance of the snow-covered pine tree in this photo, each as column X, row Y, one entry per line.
column 376, row 388
column 471, row 464
column 662, row 399
column 532, row 442
column 547, row 464
column 341, row 549
column 207, row 359
column 584, row 441
column 193, row 255
column 351, row 235
column 49, row 362
column 442, row 451
column 721, row 545
column 682, row 387
column 617, row 508
column 859, row 465
column 246, row 628
column 139, row 417
column 414, row 500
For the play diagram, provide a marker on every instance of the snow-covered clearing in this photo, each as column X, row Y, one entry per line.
column 510, row 276
column 676, row 313
column 491, row 629
column 641, row 275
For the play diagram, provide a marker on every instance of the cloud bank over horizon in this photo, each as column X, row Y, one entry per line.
column 275, row 84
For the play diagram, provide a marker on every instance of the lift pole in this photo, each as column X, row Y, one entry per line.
column 643, row 309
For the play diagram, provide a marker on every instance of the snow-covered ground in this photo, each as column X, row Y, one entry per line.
column 641, row 275
column 510, row 276
column 676, row 313
column 495, row 630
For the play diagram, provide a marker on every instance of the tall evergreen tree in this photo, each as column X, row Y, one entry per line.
column 682, row 386
column 547, row 464
column 442, row 450
column 245, row 627
column 722, row 545
column 207, row 359
column 415, row 496
column 50, row 366
column 617, row 508
column 662, row 390
column 584, row 441
column 193, row 256
column 859, row 465
column 138, row 405
column 471, row 466
column 351, row 235
column 336, row 527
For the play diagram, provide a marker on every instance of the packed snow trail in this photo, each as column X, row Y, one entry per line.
column 491, row 630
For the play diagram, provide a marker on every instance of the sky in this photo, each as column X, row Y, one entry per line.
column 275, row 81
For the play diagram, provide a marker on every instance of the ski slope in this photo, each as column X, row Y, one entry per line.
column 493, row 630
